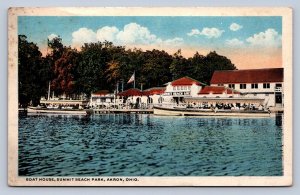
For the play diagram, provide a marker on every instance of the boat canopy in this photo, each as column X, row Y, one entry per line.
column 65, row 102
column 228, row 100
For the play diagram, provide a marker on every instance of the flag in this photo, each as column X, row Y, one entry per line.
column 132, row 78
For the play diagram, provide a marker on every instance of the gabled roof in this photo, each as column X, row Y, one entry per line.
column 267, row 75
column 217, row 90
column 154, row 91
column 186, row 81
column 131, row 92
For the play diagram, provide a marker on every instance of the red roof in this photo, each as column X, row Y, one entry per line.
column 101, row 92
column 131, row 92
column 217, row 90
column 154, row 91
column 185, row 81
column 248, row 76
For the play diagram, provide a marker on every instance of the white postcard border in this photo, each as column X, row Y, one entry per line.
column 15, row 180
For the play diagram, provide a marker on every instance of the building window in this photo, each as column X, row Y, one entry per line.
column 160, row 100
column 220, row 84
column 232, row 86
column 278, row 85
column 242, row 86
column 189, row 87
column 254, row 86
column 266, row 85
column 174, row 88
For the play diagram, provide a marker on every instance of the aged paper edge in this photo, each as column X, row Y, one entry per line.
column 286, row 13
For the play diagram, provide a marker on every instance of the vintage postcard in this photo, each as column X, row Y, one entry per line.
column 150, row 96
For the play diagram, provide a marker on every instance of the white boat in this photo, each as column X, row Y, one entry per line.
column 59, row 106
column 40, row 110
column 167, row 111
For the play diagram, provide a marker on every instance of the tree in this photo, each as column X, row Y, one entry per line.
column 113, row 71
column 56, row 47
column 64, row 69
column 156, row 68
column 33, row 72
column 213, row 62
column 180, row 66
column 197, row 64
column 101, row 65
column 92, row 66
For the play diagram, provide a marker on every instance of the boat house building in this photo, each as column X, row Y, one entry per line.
column 266, row 84
column 142, row 99
column 101, row 99
column 178, row 90
column 236, row 88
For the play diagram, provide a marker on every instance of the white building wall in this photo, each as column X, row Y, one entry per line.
column 144, row 99
column 195, row 90
column 267, row 93
column 156, row 97
column 169, row 88
column 101, row 100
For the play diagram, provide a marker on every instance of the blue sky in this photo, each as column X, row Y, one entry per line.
column 153, row 32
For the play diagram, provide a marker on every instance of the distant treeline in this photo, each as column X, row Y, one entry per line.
column 100, row 66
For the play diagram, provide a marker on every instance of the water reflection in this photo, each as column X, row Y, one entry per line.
column 146, row 145
column 279, row 119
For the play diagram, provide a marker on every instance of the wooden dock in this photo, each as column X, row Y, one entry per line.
column 276, row 109
column 118, row 111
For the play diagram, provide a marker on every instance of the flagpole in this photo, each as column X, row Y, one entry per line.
column 134, row 80
column 49, row 91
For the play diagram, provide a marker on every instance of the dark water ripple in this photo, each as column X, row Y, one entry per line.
column 147, row 145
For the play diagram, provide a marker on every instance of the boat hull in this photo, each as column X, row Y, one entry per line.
column 35, row 110
column 198, row 112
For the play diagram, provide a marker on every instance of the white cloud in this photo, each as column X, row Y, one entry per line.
column 207, row 32
column 269, row 38
column 135, row 33
column 194, row 32
column 234, row 42
column 235, row 27
column 107, row 33
column 131, row 34
column 52, row 36
column 174, row 42
column 83, row 35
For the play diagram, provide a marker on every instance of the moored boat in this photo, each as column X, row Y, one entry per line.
column 40, row 110
column 171, row 111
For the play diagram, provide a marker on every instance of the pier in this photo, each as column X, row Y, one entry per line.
column 128, row 111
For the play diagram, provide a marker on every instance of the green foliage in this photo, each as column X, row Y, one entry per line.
column 33, row 72
column 180, row 66
column 102, row 65
column 212, row 62
column 204, row 66
column 65, row 71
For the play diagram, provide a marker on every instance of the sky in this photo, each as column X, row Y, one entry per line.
column 248, row 41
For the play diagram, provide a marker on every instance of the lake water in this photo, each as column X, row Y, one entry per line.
column 148, row 145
